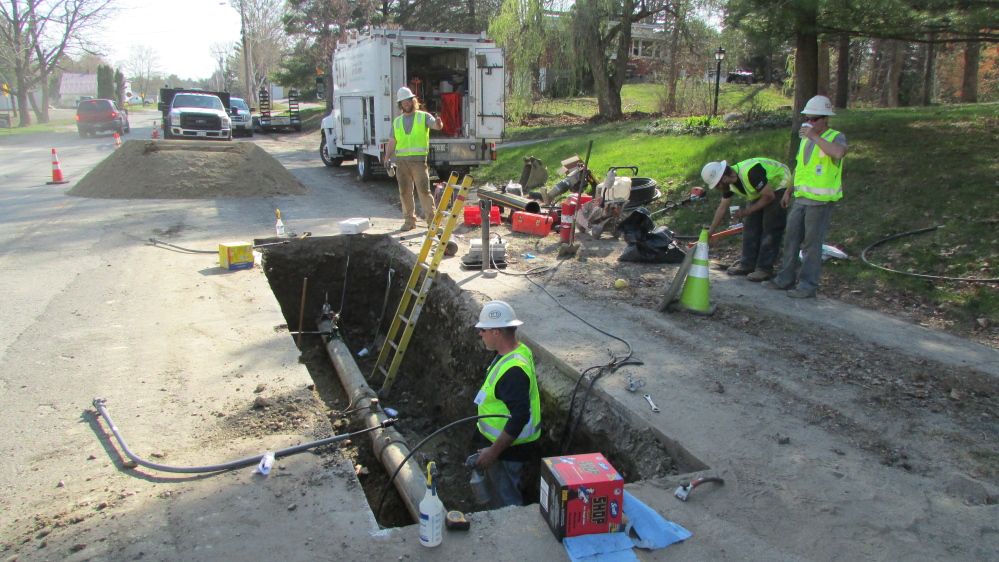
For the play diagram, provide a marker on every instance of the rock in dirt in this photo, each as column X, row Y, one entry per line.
column 148, row 169
column 260, row 402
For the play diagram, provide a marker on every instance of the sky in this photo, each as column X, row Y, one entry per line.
column 180, row 31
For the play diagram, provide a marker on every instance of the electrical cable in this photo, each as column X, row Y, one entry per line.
column 99, row 404
column 160, row 242
column 343, row 295
column 863, row 257
column 412, row 452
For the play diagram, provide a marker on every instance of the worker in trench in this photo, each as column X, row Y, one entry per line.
column 763, row 183
column 818, row 184
column 510, row 388
column 407, row 150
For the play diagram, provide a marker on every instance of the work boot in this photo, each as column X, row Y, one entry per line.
column 768, row 284
column 760, row 275
column 799, row 294
column 738, row 270
column 408, row 226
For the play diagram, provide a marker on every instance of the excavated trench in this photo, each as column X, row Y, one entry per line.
column 443, row 369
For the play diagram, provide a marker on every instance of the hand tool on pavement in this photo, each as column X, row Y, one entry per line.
column 455, row 521
column 648, row 397
column 684, row 490
column 634, row 384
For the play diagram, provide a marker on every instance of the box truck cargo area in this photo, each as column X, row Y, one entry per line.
column 457, row 77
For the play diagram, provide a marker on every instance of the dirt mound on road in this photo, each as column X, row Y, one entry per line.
column 188, row 170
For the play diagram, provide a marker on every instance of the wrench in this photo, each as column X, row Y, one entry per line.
column 655, row 408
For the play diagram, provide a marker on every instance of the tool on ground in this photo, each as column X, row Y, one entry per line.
column 420, row 280
column 570, row 248
column 684, row 490
column 478, row 482
column 99, row 404
column 56, row 171
column 648, row 398
column 634, row 384
column 488, row 271
column 279, row 226
column 508, row 200
column 456, row 521
column 431, row 511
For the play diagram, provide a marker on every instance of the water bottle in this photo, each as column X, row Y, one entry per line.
column 478, row 481
column 279, row 227
column 431, row 512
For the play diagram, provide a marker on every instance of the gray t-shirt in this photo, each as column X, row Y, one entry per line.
column 407, row 126
column 839, row 139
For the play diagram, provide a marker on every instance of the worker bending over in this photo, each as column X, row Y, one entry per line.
column 763, row 182
column 510, row 388
column 408, row 149
column 818, row 183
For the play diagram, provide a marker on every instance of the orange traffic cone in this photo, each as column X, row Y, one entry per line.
column 156, row 131
column 696, row 294
column 117, row 141
column 56, row 172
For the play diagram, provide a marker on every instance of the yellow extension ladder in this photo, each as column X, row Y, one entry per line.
column 420, row 281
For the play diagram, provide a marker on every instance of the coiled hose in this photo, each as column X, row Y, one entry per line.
column 863, row 257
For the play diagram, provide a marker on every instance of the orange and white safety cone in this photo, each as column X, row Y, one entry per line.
column 56, row 171
column 156, row 131
column 117, row 141
column 696, row 296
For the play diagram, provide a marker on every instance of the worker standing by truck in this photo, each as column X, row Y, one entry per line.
column 408, row 150
column 763, row 182
column 818, row 183
column 510, row 388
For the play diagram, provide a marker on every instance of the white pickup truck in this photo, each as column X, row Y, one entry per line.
column 195, row 114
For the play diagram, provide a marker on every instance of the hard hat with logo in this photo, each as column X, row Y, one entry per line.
column 819, row 105
column 404, row 94
column 713, row 172
column 497, row 314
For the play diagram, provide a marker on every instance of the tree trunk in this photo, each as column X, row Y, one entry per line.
column 823, row 73
column 673, row 77
column 22, row 97
column 806, row 67
column 972, row 58
column 470, row 26
column 896, row 62
column 43, row 112
column 929, row 76
column 843, row 72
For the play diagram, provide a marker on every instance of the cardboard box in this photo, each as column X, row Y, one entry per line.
column 353, row 226
column 236, row 255
column 581, row 495
column 569, row 164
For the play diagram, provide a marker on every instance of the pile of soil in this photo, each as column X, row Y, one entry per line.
column 151, row 169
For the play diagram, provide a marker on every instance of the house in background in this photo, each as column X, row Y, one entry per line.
column 74, row 87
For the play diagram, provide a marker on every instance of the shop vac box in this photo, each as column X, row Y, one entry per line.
column 581, row 495
column 236, row 255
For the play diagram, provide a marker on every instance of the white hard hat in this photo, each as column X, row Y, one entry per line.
column 819, row 105
column 713, row 172
column 404, row 94
column 497, row 314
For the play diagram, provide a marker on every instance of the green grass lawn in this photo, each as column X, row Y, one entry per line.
column 907, row 169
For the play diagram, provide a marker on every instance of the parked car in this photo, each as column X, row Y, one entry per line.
column 97, row 116
column 242, row 126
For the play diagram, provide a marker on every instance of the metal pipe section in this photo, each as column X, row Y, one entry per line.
column 507, row 200
column 389, row 445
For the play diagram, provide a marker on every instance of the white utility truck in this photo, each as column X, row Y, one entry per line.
column 457, row 77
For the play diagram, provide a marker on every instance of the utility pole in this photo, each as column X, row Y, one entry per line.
column 246, row 52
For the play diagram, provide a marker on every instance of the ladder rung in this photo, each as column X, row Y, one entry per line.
column 423, row 264
column 383, row 370
column 393, row 344
column 403, row 318
column 414, row 292
column 445, row 213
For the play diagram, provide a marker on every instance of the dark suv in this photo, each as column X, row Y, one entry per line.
column 95, row 116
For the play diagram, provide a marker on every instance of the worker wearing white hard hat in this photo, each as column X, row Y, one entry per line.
column 818, row 184
column 510, row 389
column 407, row 150
column 762, row 182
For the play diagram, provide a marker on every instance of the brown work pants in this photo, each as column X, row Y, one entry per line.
column 411, row 174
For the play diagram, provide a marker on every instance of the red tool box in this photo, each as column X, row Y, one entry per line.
column 473, row 215
column 531, row 223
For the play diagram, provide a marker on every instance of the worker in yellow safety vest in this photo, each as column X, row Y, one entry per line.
column 407, row 150
column 763, row 182
column 510, row 389
column 818, row 184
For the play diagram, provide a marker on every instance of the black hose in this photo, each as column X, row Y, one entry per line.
column 99, row 404
column 381, row 501
column 863, row 257
column 155, row 241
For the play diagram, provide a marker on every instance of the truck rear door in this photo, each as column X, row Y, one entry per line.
column 490, row 92
column 352, row 120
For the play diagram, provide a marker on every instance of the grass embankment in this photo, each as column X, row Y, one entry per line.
column 907, row 169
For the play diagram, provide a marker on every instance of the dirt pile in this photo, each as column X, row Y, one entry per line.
column 188, row 170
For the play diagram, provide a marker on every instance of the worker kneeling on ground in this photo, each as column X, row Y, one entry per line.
column 763, row 182
column 510, row 388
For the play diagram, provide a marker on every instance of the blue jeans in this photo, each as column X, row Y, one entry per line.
column 762, row 233
column 502, row 478
column 806, row 230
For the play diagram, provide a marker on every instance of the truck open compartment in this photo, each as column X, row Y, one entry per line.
column 439, row 78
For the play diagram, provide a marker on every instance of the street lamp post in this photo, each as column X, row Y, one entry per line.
column 719, row 56
column 246, row 53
